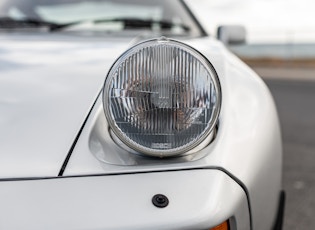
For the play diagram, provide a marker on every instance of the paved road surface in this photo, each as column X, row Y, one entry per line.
column 295, row 101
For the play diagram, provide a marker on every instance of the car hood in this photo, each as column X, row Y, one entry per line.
column 47, row 87
column 48, row 84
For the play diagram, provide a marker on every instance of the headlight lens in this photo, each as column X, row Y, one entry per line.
column 162, row 98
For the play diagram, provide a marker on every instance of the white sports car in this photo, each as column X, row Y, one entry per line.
column 125, row 114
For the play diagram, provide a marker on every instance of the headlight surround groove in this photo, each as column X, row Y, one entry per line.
column 162, row 98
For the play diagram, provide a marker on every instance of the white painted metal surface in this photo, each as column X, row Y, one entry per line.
column 44, row 101
column 248, row 144
column 47, row 87
column 123, row 202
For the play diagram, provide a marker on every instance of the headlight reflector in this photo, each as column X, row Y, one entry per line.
column 162, row 98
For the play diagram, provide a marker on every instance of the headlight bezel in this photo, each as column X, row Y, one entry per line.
column 186, row 148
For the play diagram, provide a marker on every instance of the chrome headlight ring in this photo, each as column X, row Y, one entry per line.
column 162, row 98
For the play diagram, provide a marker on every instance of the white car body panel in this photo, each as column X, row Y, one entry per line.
column 59, row 166
column 123, row 202
column 47, row 87
column 248, row 144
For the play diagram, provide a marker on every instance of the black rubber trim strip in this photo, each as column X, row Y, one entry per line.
column 280, row 214
column 64, row 165
column 240, row 183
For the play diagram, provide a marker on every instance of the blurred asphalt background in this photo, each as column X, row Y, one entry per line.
column 293, row 88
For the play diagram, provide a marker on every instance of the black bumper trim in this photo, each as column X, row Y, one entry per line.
column 280, row 214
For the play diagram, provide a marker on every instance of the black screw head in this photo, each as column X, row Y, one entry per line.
column 160, row 200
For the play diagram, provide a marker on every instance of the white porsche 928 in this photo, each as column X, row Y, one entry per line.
column 125, row 114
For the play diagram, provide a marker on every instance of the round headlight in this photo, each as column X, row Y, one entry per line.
column 162, row 98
